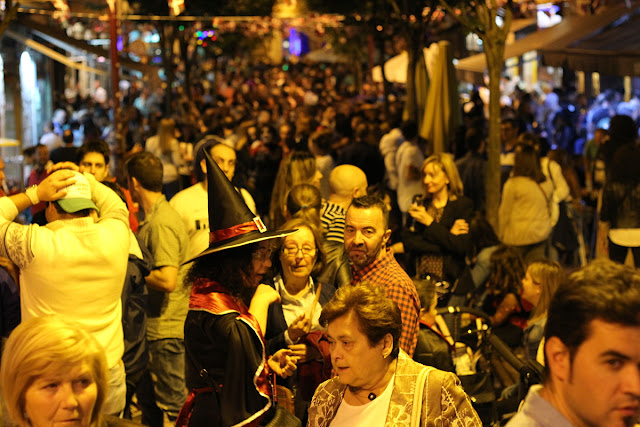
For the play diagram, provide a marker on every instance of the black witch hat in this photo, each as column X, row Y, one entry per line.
column 231, row 222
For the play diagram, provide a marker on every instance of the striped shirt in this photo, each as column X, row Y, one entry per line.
column 332, row 218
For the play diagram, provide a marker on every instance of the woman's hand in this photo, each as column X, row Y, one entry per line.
column 459, row 227
column 283, row 363
column 304, row 353
column 299, row 327
column 420, row 214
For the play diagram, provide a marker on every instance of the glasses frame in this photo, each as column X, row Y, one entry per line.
column 311, row 252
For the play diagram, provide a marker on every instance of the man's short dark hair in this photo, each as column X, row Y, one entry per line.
column 207, row 145
column 147, row 169
column 368, row 202
column 409, row 130
column 95, row 146
column 81, row 213
column 67, row 136
column 602, row 290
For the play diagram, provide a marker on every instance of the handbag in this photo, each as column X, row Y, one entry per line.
column 563, row 235
column 284, row 407
column 283, row 418
column 284, row 397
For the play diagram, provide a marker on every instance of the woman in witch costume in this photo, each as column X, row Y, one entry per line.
column 227, row 368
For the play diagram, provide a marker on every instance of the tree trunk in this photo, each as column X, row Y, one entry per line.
column 184, row 53
column 166, row 41
column 386, row 86
column 495, row 54
column 411, row 104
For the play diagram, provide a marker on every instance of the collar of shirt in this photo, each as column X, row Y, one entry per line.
column 538, row 408
column 83, row 222
column 376, row 264
column 153, row 209
column 287, row 299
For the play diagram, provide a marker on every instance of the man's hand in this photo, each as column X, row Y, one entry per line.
column 54, row 186
column 64, row 165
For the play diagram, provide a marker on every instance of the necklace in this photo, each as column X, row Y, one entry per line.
column 355, row 391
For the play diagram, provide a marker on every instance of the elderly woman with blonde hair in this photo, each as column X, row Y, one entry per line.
column 54, row 372
column 377, row 383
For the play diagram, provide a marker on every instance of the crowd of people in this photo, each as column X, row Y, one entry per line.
column 279, row 233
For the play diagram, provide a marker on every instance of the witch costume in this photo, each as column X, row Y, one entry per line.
column 227, row 373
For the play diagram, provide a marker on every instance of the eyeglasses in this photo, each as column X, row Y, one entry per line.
column 307, row 251
column 262, row 254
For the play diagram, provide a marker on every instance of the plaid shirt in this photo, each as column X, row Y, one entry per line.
column 388, row 273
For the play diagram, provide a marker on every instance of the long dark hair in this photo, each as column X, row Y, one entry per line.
column 232, row 268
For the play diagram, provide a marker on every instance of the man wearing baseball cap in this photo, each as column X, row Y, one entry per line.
column 75, row 265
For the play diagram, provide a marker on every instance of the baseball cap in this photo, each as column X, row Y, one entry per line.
column 78, row 195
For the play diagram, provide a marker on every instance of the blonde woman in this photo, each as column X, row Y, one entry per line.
column 439, row 238
column 298, row 168
column 166, row 147
column 54, row 372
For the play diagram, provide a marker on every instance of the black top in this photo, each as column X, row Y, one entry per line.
column 229, row 351
column 437, row 239
column 621, row 205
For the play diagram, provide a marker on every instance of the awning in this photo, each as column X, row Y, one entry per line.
column 614, row 51
column 52, row 53
column 60, row 39
column 551, row 42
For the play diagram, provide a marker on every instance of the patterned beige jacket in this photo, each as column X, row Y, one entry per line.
column 421, row 396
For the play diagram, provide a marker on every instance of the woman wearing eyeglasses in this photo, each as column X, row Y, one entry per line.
column 227, row 367
column 293, row 323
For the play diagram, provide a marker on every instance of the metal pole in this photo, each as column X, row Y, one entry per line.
column 114, row 21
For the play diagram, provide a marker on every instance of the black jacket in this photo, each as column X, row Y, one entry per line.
column 436, row 238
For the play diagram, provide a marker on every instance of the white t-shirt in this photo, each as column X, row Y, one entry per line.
column 192, row 204
column 370, row 414
column 408, row 155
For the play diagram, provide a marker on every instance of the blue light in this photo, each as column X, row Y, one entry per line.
column 295, row 43
column 119, row 44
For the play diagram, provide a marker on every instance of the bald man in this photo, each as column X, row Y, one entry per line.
column 345, row 183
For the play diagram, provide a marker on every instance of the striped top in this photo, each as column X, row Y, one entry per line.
column 332, row 217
